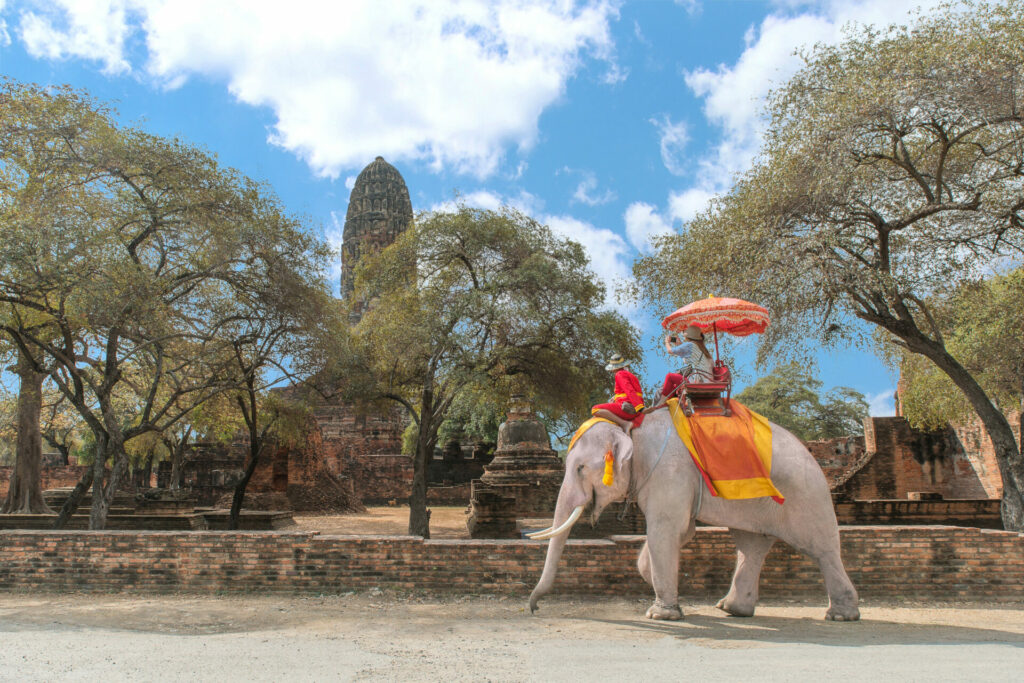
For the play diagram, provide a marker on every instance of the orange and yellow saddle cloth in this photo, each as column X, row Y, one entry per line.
column 733, row 454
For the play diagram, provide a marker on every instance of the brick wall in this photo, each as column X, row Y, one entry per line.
column 976, row 513
column 899, row 460
column 937, row 563
column 975, row 452
column 53, row 477
column 378, row 479
column 836, row 456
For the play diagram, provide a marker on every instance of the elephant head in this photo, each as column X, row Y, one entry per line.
column 601, row 451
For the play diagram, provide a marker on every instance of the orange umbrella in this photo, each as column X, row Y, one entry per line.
column 719, row 314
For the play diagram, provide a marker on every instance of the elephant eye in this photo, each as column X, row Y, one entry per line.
column 579, row 468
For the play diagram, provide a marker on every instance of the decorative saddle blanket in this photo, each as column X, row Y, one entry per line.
column 584, row 427
column 733, row 454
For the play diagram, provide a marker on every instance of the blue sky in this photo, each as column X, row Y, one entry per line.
column 609, row 121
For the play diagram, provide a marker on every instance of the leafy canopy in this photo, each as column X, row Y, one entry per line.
column 490, row 303
column 891, row 172
column 983, row 325
column 791, row 397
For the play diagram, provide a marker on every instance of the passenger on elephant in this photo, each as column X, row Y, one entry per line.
column 628, row 400
column 699, row 366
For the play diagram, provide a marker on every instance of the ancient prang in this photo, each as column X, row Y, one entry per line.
column 379, row 210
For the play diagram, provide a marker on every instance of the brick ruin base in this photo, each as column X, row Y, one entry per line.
column 884, row 563
column 53, row 477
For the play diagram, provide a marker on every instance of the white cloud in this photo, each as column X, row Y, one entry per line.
column 643, row 223
column 615, row 74
column 610, row 256
column 734, row 95
column 882, row 404
column 683, row 206
column 453, row 83
column 5, row 38
column 88, row 29
column 492, row 201
column 691, row 6
column 672, row 138
column 585, row 191
column 350, row 182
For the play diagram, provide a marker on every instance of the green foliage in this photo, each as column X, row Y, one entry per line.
column 889, row 174
column 791, row 397
column 983, row 325
column 489, row 303
column 890, row 177
column 147, row 276
column 476, row 306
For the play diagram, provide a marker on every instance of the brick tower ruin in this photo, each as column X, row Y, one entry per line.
column 379, row 210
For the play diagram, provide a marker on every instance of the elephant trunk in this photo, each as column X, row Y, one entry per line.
column 563, row 523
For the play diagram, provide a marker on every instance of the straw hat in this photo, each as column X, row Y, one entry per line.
column 693, row 333
column 616, row 362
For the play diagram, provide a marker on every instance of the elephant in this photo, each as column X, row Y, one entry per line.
column 673, row 496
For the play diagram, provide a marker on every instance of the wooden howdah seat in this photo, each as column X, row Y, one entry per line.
column 708, row 398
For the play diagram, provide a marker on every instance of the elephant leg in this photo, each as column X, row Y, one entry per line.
column 842, row 596
column 643, row 563
column 751, row 549
column 663, row 541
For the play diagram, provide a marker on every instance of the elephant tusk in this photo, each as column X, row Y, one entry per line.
column 538, row 533
column 564, row 528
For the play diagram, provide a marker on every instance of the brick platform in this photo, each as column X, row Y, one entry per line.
column 928, row 563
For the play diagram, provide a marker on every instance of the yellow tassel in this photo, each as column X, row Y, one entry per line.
column 609, row 469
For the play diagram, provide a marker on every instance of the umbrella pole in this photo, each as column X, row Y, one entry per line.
column 714, row 328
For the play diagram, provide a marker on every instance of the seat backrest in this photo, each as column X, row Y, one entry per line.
column 721, row 373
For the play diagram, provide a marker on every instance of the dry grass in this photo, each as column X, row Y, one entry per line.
column 445, row 522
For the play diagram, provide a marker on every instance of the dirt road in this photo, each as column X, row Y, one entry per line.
column 376, row 636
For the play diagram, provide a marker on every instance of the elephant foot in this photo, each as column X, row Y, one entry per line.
column 840, row 614
column 663, row 612
column 734, row 609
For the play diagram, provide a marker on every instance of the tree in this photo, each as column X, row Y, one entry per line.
column 484, row 302
column 25, row 494
column 891, row 173
column 284, row 320
column 61, row 426
column 982, row 323
column 8, row 424
column 791, row 397
column 215, row 420
column 132, row 249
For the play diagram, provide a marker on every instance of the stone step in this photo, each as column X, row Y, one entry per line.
column 55, row 498
column 249, row 520
column 129, row 522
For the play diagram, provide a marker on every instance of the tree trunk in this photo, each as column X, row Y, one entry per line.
column 71, row 504
column 103, row 492
column 146, row 474
column 177, row 459
column 419, row 515
column 25, row 495
column 1004, row 443
column 62, row 448
column 236, row 500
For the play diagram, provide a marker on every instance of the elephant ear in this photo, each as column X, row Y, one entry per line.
column 617, row 457
column 623, row 446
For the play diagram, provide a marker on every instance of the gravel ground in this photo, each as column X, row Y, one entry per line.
column 391, row 637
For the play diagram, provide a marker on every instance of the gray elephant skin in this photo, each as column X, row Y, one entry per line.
column 672, row 500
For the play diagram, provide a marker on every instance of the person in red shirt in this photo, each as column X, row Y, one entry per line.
column 628, row 401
